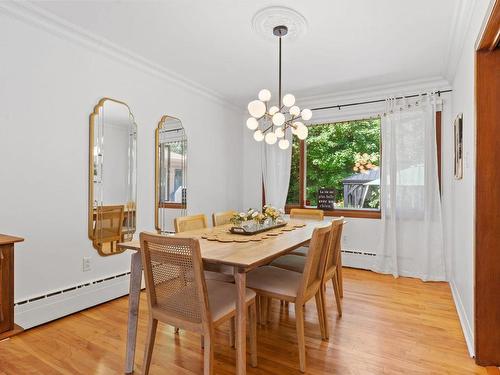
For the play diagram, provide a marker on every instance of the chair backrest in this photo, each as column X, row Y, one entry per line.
column 221, row 218
column 312, row 276
column 306, row 213
column 185, row 223
column 109, row 224
column 175, row 285
column 334, row 248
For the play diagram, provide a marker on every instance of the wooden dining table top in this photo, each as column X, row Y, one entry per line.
column 246, row 255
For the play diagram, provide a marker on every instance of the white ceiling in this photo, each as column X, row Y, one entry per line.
column 349, row 44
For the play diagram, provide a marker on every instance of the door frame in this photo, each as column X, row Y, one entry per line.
column 487, row 208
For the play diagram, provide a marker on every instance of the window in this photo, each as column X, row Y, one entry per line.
column 344, row 156
column 172, row 155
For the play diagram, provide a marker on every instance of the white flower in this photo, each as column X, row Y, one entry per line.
column 254, row 214
column 250, row 211
column 242, row 215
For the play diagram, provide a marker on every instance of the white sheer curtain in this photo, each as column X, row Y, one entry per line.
column 276, row 164
column 412, row 240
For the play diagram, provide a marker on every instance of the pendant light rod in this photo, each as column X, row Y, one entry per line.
column 280, row 31
column 279, row 75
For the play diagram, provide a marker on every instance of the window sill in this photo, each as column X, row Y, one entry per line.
column 170, row 205
column 361, row 214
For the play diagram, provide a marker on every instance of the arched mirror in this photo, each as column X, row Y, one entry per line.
column 112, row 176
column 170, row 173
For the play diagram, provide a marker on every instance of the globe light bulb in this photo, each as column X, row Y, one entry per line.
column 252, row 123
column 279, row 132
column 258, row 136
column 278, row 119
column 264, row 95
column 283, row 144
column 271, row 138
column 306, row 114
column 289, row 100
column 273, row 110
column 296, row 124
column 302, row 132
column 295, row 111
column 256, row 108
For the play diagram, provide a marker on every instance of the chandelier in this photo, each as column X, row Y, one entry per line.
column 271, row 123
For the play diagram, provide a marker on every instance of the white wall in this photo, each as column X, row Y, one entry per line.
column 50, row 83
column 461, row 210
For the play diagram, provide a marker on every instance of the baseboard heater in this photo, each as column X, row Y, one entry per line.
column 358, row 259
column 41, row 309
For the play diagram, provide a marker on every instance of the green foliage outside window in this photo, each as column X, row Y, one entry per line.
column 332, row 153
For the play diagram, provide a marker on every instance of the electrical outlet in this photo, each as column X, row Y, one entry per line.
column 86, row 266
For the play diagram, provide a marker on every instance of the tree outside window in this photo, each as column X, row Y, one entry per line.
column 344, row 156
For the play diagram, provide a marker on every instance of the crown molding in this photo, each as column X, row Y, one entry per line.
column 36, row 16
column 462, row 17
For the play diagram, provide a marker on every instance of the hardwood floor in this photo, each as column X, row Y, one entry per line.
column 389, row 326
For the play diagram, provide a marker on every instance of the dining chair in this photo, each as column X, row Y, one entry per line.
column 297, row 288
column 302, row 213
column 185, row 223
column 297, row 263
column 179, row 295
column 222, row 218
column 108, row 226
column 308, row 214
column 212, row 271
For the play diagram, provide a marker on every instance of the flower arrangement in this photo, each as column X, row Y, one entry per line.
column 271, row 212
column 268, row 212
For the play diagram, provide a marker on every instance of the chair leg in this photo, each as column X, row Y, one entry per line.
column 339, row 277
column 336, row 290
column 263, row 310
column 325, row 315
column 321, row 315
column 232, row 341
column 299, row 321
column 150, row 343
column 268, row 312
column 257, row 307
column 208, row 355
column 253, row 334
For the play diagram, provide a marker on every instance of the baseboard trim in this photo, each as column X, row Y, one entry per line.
column 57, row 305
column 462, row 316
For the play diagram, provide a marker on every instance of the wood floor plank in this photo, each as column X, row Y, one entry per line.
column 389, row 326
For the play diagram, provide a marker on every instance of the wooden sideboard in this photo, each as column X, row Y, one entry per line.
column 7, row 326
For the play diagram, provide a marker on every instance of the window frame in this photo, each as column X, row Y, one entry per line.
column 167, row 203
column 354, row 213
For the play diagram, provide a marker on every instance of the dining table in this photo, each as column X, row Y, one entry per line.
column 243, row 257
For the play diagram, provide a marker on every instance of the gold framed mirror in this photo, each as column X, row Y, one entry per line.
column 112, row 207
column 170, row 173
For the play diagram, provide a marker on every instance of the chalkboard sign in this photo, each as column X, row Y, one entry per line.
column 326, row 199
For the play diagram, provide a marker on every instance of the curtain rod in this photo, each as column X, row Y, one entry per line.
column 339, row 106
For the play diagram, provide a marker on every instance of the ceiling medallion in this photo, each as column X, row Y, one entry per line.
column 271, row 123
column 264, row 21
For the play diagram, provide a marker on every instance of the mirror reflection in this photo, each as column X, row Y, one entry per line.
column 171, row 172
column 112, row 183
